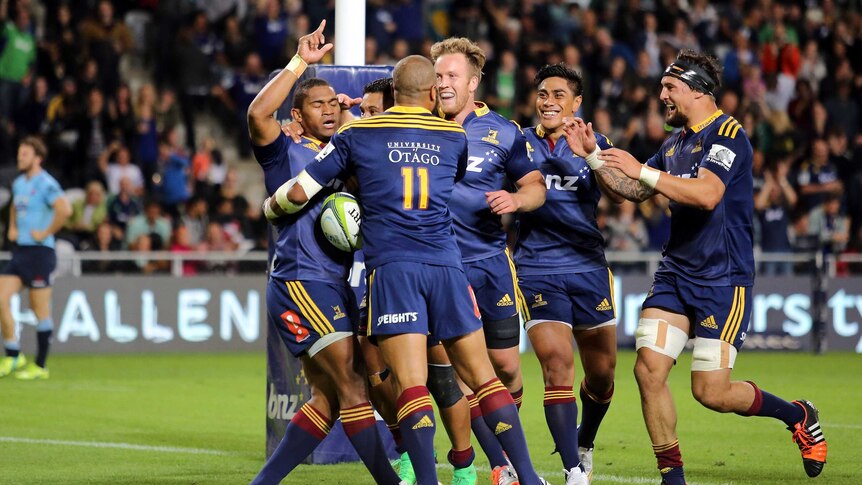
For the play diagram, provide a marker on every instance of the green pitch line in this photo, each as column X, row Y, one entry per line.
column 199, row 418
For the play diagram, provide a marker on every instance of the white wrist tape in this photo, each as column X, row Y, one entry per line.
column 593, row 159
column 308, row 184
column 649, row 176
column 297, row 65
column 267, row 210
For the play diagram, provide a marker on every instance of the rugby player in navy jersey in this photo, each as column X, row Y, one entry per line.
column 308, row 297
column 565, row 280
column 497, row 153
column 377, row 97
column 702, row 289
column 407, row 162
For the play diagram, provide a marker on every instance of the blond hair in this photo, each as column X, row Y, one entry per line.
column 461, row 45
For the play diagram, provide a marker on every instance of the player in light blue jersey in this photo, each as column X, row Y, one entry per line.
column 702, row 289
column 497, row 158
column 39, row 209
column 565, row 281
column 308, row 298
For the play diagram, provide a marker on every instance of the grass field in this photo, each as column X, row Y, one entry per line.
column 200, row 419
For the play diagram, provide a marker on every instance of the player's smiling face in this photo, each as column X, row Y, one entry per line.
column 676, row 96
column 554, row 101
column 457, row 84
column 319, row 115
column 372, row 105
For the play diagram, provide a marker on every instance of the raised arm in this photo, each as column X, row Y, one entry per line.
column 262, row 127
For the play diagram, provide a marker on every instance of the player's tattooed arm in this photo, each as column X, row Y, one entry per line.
column 618, row 182
column 613, row 182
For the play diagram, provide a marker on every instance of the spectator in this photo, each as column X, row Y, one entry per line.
column 122, row 168
column 94, row 136
column 181, row 243
column 32, row 115
column 830, row 224
column 234, row 47
column 816, row 177
column 145, row 263
column 106, row 39
column 151, row 221
column 87, row 214
column 122, row 115
column 237, row 93
column 773, row 205
column 217, row 241
column 16, row 58
column 104, row 242
column 195, row 220
column 174, row 171
column 627, row 232
column 147, row 135
column 123, row 206
column 271, row 30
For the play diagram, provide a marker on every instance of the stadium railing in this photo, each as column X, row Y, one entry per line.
column 72, row 263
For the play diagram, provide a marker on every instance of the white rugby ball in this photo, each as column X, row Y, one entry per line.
column 340, row 219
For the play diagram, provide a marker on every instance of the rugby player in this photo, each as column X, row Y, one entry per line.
column 38, row 210
column 308, row 296
column 702, row 289
column 497, row 152
column 567, row 285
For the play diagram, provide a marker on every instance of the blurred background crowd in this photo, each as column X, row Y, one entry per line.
column 143, row 103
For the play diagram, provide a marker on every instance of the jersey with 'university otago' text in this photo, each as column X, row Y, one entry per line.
column 562, row 235
column 711, row 248
column 301, row 250
column 406, row 161
column 497, row 150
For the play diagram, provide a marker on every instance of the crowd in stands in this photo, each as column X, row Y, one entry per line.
column 792, row 77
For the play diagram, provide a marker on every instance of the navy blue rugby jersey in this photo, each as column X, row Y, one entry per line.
column 711, row 248
column 301, row 250
column 497, row 151
column 406, row 161
column 562, row 236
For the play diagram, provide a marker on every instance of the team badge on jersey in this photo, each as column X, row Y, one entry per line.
column 492, row 137
column 698, row 147
column 721, row 155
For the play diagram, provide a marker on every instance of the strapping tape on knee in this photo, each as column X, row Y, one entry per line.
column 660, row 336
column 712, row 354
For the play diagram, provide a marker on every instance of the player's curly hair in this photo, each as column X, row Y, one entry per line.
column 300, row 93
column 573, row 77
column 461, row 45
column 707, row 62
column 382, row 85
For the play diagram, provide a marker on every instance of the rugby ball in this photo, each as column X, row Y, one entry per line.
column 340, row 219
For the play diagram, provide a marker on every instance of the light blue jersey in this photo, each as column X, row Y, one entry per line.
column 34, row 206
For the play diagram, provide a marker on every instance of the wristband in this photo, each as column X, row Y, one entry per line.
column 267, row 210
column 649, row 176
column 282, row 200
column 593, row 159
column 297, row 66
